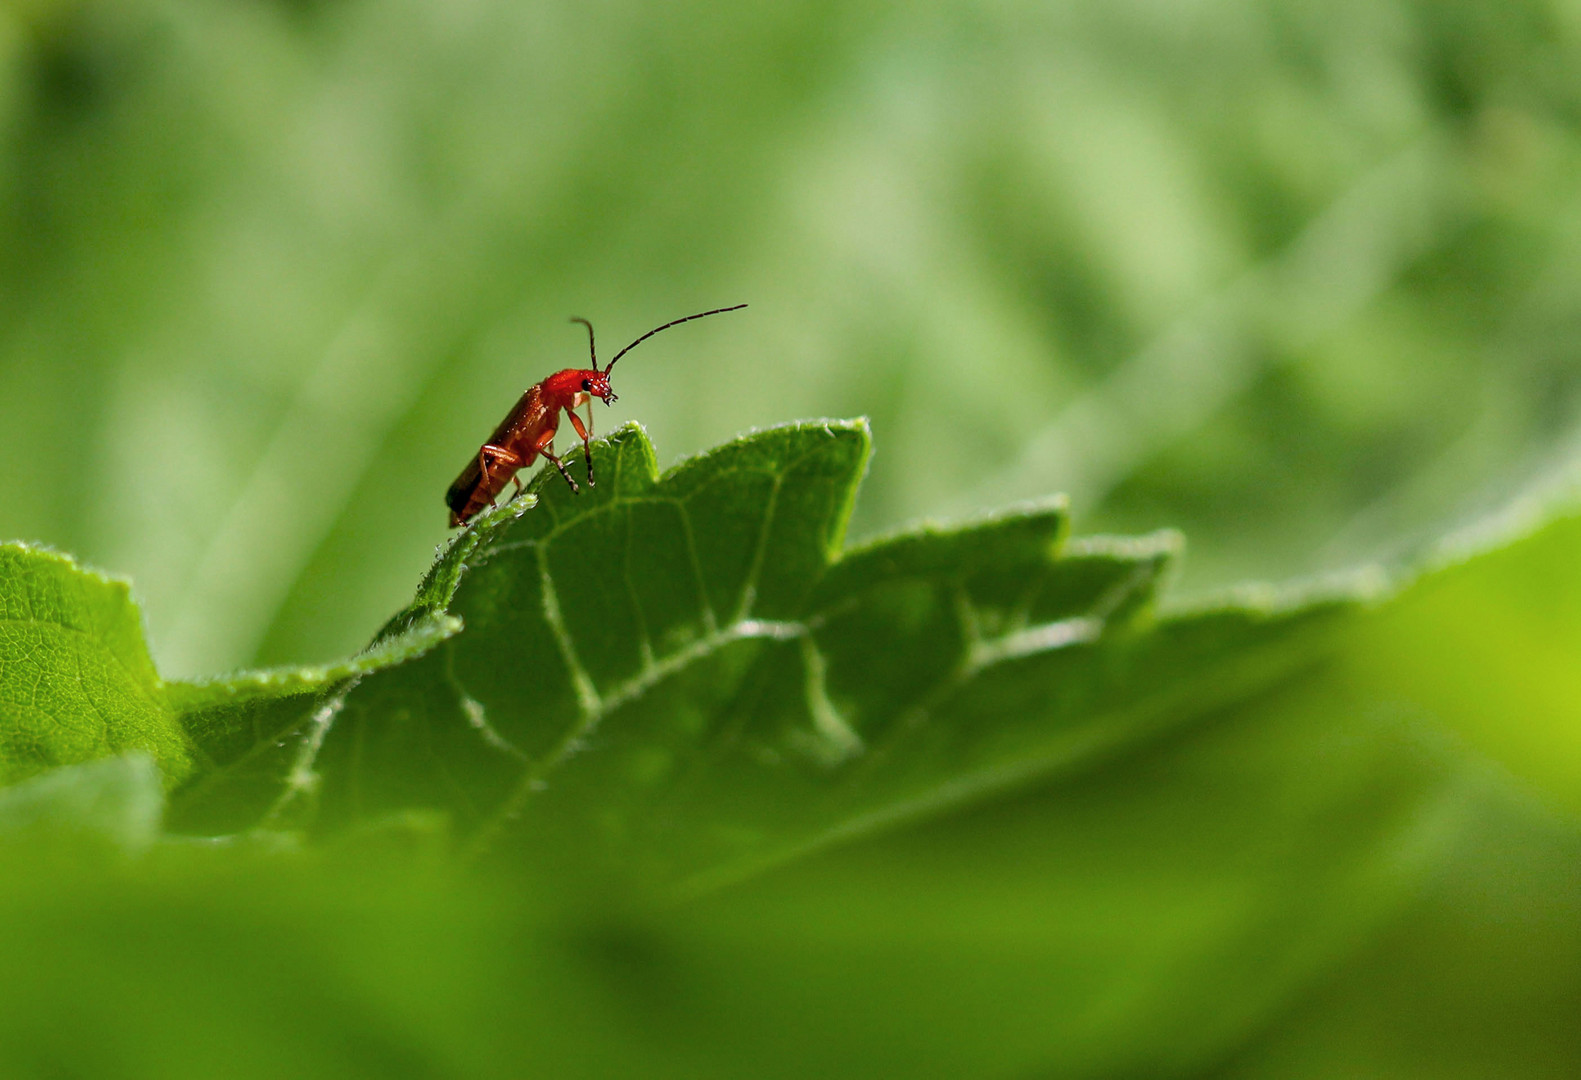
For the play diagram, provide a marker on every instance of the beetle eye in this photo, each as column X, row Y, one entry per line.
column 587, row 384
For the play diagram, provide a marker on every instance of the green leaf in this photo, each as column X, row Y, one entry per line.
column 1490, row 643
column 76, row 681
column 1476, row 977
column 683, row 676
column 246, row 728
column 956, row 801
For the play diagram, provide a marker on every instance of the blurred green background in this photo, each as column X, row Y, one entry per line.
column 1301, row 279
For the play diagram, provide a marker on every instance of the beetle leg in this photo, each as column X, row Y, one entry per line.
column 586, row 433
column 500, row 457
column 548, row 453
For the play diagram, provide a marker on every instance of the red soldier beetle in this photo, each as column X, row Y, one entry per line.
column 529, row 429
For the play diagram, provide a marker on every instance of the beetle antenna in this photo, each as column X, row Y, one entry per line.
column 666, row 326
column 591, row 351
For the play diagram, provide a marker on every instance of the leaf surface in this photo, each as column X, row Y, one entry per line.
column 956, row 801
column 76, row 680
column 1491, row 645
column 77, row 683
column 686, row 677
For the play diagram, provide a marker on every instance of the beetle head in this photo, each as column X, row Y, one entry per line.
column 597, row 384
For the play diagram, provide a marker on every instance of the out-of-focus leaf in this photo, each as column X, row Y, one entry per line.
column 1140, row 918
column 1477, row 978
column 1491, row 645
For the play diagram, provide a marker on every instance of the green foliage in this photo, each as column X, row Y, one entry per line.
column 684, row 672
column 663, row 779
column 1467, row 641
column 76, row 682
column 239, row 725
